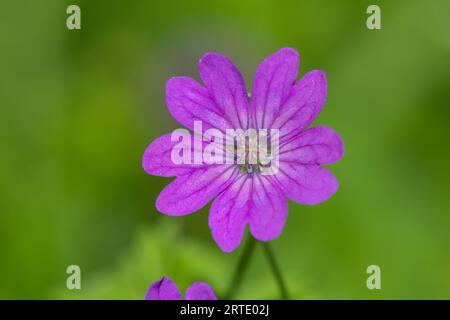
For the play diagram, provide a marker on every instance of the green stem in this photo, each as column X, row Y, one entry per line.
column 241, row 268
column 276, row 271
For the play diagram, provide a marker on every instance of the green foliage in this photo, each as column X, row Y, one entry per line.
column 79, row 107
column 164, row 250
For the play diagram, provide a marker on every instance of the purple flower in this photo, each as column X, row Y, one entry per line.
column 166, row 289
column 242, row 194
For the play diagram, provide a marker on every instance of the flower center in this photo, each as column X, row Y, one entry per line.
column 253, row 152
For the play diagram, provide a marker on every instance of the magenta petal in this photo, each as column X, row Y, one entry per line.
column 226, row 85
column 228, row 215
column 306, row 184
column 191, row 192
column 269, row 209
column 318, row 145
column 303, row 105
column 250, row 199
column 200, row 291
column 164, row 289
column 272, row 85
column 188, row 102
column 157, row 159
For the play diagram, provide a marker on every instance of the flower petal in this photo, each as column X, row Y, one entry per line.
column 189, row 193
column 303, row 105
column 200, row 291
column 306, row 184
column 272, row 85
column 228, row 214
column 188, row 101
column 226, row 85
column 269, row 209
column 318, row 145
column 157, row 159
column 250, row 199
column 164, row 289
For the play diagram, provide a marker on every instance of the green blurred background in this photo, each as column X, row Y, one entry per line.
column 78, row 108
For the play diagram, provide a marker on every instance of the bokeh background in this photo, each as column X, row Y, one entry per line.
column 78, row 108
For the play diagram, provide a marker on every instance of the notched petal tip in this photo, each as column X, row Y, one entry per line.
column 224, row 245
column 336, row 143
column 152, row 158
column 157, row 158
column 268, row 233
column 228, row 240
column 164, row 289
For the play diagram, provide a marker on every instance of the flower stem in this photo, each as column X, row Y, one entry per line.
column 241, row 268
column 276, row 271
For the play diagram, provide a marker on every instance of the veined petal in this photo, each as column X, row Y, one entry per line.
column 226, row 85
column 272, row 85
column 269, row 209
column 318, row 145
column 306, row 184
column 200, row 291
column 157, row 159
column 188, row 101
column 250, row 199
column 228, row 214
column 303, row 105
column 164, row 289
column 189, row 193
